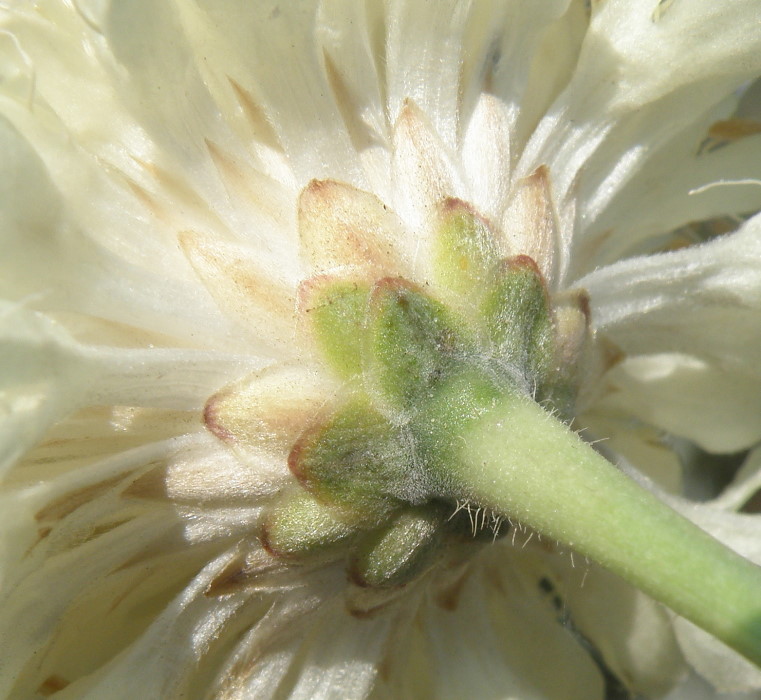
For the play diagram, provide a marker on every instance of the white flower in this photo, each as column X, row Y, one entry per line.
column 185, row 183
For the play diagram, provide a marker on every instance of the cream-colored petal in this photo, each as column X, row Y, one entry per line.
column 717, row 408
column 425, row 172
column 178, row 652
column 486, row 155
column 148, row 130
column 306, row 646
column 70, row 234
column 482, row 643
column 348, row 647
column 47, row 375
column 745, row 487
column 725, row 669
column 704, row 300
column 95, row 432
column 621, row 104
column 678, row 185
column 553, row 39
column 350, row 35
column 529, row 224
column 260, row 417
column 423, row 55
column 122, row 543
column 632, row 634
column 341, row 226
column 296, row 100
column 261, row 304
column 77, row 531
column 639, row 443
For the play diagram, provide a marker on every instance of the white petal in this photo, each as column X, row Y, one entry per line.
column 156, row 665
column 717, row 408
column 74, row 531
column 482, row 643
column 486, row 155
column 632, row 633
column 341, row 655
column 636, row 85
column 745, row 485
column 86, row 249
column 259, row 300
column 423, row 60
column 639, row 443
column 703, row 302
column 349, row 33
column 117, row 554
column 678, row 185
column 296, row 100
column 46, row 375
column 425, row 171
column 341, row 226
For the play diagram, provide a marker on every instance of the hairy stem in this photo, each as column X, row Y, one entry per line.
column 519, row 460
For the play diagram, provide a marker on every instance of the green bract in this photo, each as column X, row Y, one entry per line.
column 420, row 366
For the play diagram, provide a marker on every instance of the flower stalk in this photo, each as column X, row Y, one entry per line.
column 520, row 461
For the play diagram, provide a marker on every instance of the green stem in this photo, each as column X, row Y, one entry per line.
column 522, row 462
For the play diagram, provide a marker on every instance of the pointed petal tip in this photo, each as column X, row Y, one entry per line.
column 212, row 420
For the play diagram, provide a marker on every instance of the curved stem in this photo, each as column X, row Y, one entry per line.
column 520, row 461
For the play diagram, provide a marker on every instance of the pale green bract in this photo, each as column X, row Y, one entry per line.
column 263, row 266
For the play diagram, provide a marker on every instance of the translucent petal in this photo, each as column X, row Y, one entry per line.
column 679, row 184
column 622, row 104
column 352, row 43
column 476, row 644
column 46, row 375
column 260, row 417
column 646, row 658
column 486, row 155
column 64, row 252
column 297, row 99
column 425, row 172
column 261, row 304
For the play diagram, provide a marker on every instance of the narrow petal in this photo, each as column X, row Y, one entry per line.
column 478, row 644
column 703, row 302
column 685, row 181
column 297, row 100
column 424, row 172
column 351, row 38
column 205, row 624
column 69, row 251
column 423, row 60
column 744, row 492
column 47, row 374
column 646, row 659
column 262, row 306
column 529, row 224
column 486, row 155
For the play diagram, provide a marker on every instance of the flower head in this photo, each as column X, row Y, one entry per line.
column 268, row 266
